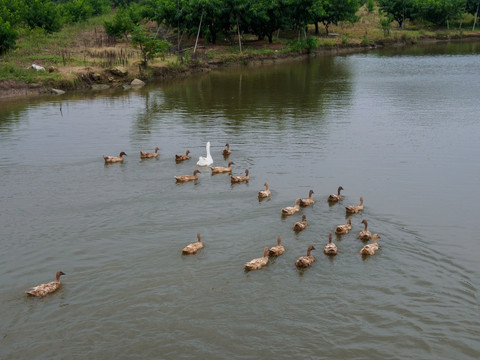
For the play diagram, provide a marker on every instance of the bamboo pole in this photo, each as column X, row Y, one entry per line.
column 239, row 38
column 476, row 14
column 198, row 33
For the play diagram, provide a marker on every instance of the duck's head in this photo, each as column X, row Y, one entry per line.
column 246, row 172
column 188, row 152
column 304, row 217
column 265, row 251
column 279, row 240
column 330, row 236
column 310, row 248
column 365, row 222
column 349, row 221
column 196, row 171
column 156, row 149
column 297, row 202
column 310, row 193
column 375, row 237
column 199, row 237
column 339, row 189
column 122, row 153
column 227, row 145
column 58, row 274
column 361, row 199
column 230, row 163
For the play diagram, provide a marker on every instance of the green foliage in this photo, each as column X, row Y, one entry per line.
column 401, row 10
column 76, row 11
column 386, row 24
column 333, row 11
column 8, row 36
column 366, row 41
column 121, row 25
column 43, row 14
column 10, row 11
column 308, row 45
column 148, row 45
column 440, row 11
column 370, row 5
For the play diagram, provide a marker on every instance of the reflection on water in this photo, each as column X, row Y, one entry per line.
column 397, row 129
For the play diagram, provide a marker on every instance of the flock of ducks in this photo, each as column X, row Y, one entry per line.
column 302, row 262
column 277, row 250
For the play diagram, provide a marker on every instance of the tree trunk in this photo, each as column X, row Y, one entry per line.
column 270, row 37
column 316, row 28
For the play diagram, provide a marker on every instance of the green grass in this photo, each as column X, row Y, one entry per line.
column 10, row 72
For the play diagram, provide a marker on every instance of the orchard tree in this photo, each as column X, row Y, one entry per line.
column 441, row 11
column 264, row 17
column 333, row 11
column 148, row 45
column 399, row 9
column 8, row 36
column 43, row 14
column 298, row 14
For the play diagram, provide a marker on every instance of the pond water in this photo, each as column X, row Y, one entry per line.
column 399, row 127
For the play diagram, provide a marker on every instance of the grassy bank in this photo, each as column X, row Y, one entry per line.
column 81, row 55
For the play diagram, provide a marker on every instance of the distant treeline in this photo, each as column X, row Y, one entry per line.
column 258, row 17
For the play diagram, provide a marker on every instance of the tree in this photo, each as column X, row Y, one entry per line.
column 43, row 14
column 264, row 17
column 399, row 9
column 124, row 21
column 333, row 11
column 215, row 17
column 8, row 36
column 298, row 14
column 76, row 11
column 440, row 11
column 148, row 45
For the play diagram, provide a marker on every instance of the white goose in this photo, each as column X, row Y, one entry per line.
column 205, row 161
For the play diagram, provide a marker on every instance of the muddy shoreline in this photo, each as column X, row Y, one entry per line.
column 85, row 80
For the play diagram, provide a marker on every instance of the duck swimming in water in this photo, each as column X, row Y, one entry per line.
column 305, row 261
column 364, row 235
column 258, row 263
column 222, row 169
column 239, row 179
column 344, row 229
column 308, row 201
column 353, row 209
column 330, row 248
column 278, row 249
column 147, row 155
column 290, row 210
column 114, row 159
column 300, row 225
column 179, row 158
column 335, row 197
column 370, row 249
column 184, row 178
column 44, row 289
column 193, row 247
column 264, row 193
column 227, row 151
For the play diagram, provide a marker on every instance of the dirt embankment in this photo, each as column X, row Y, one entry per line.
column 87, row 77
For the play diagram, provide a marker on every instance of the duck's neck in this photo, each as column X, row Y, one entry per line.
column 265, row 252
